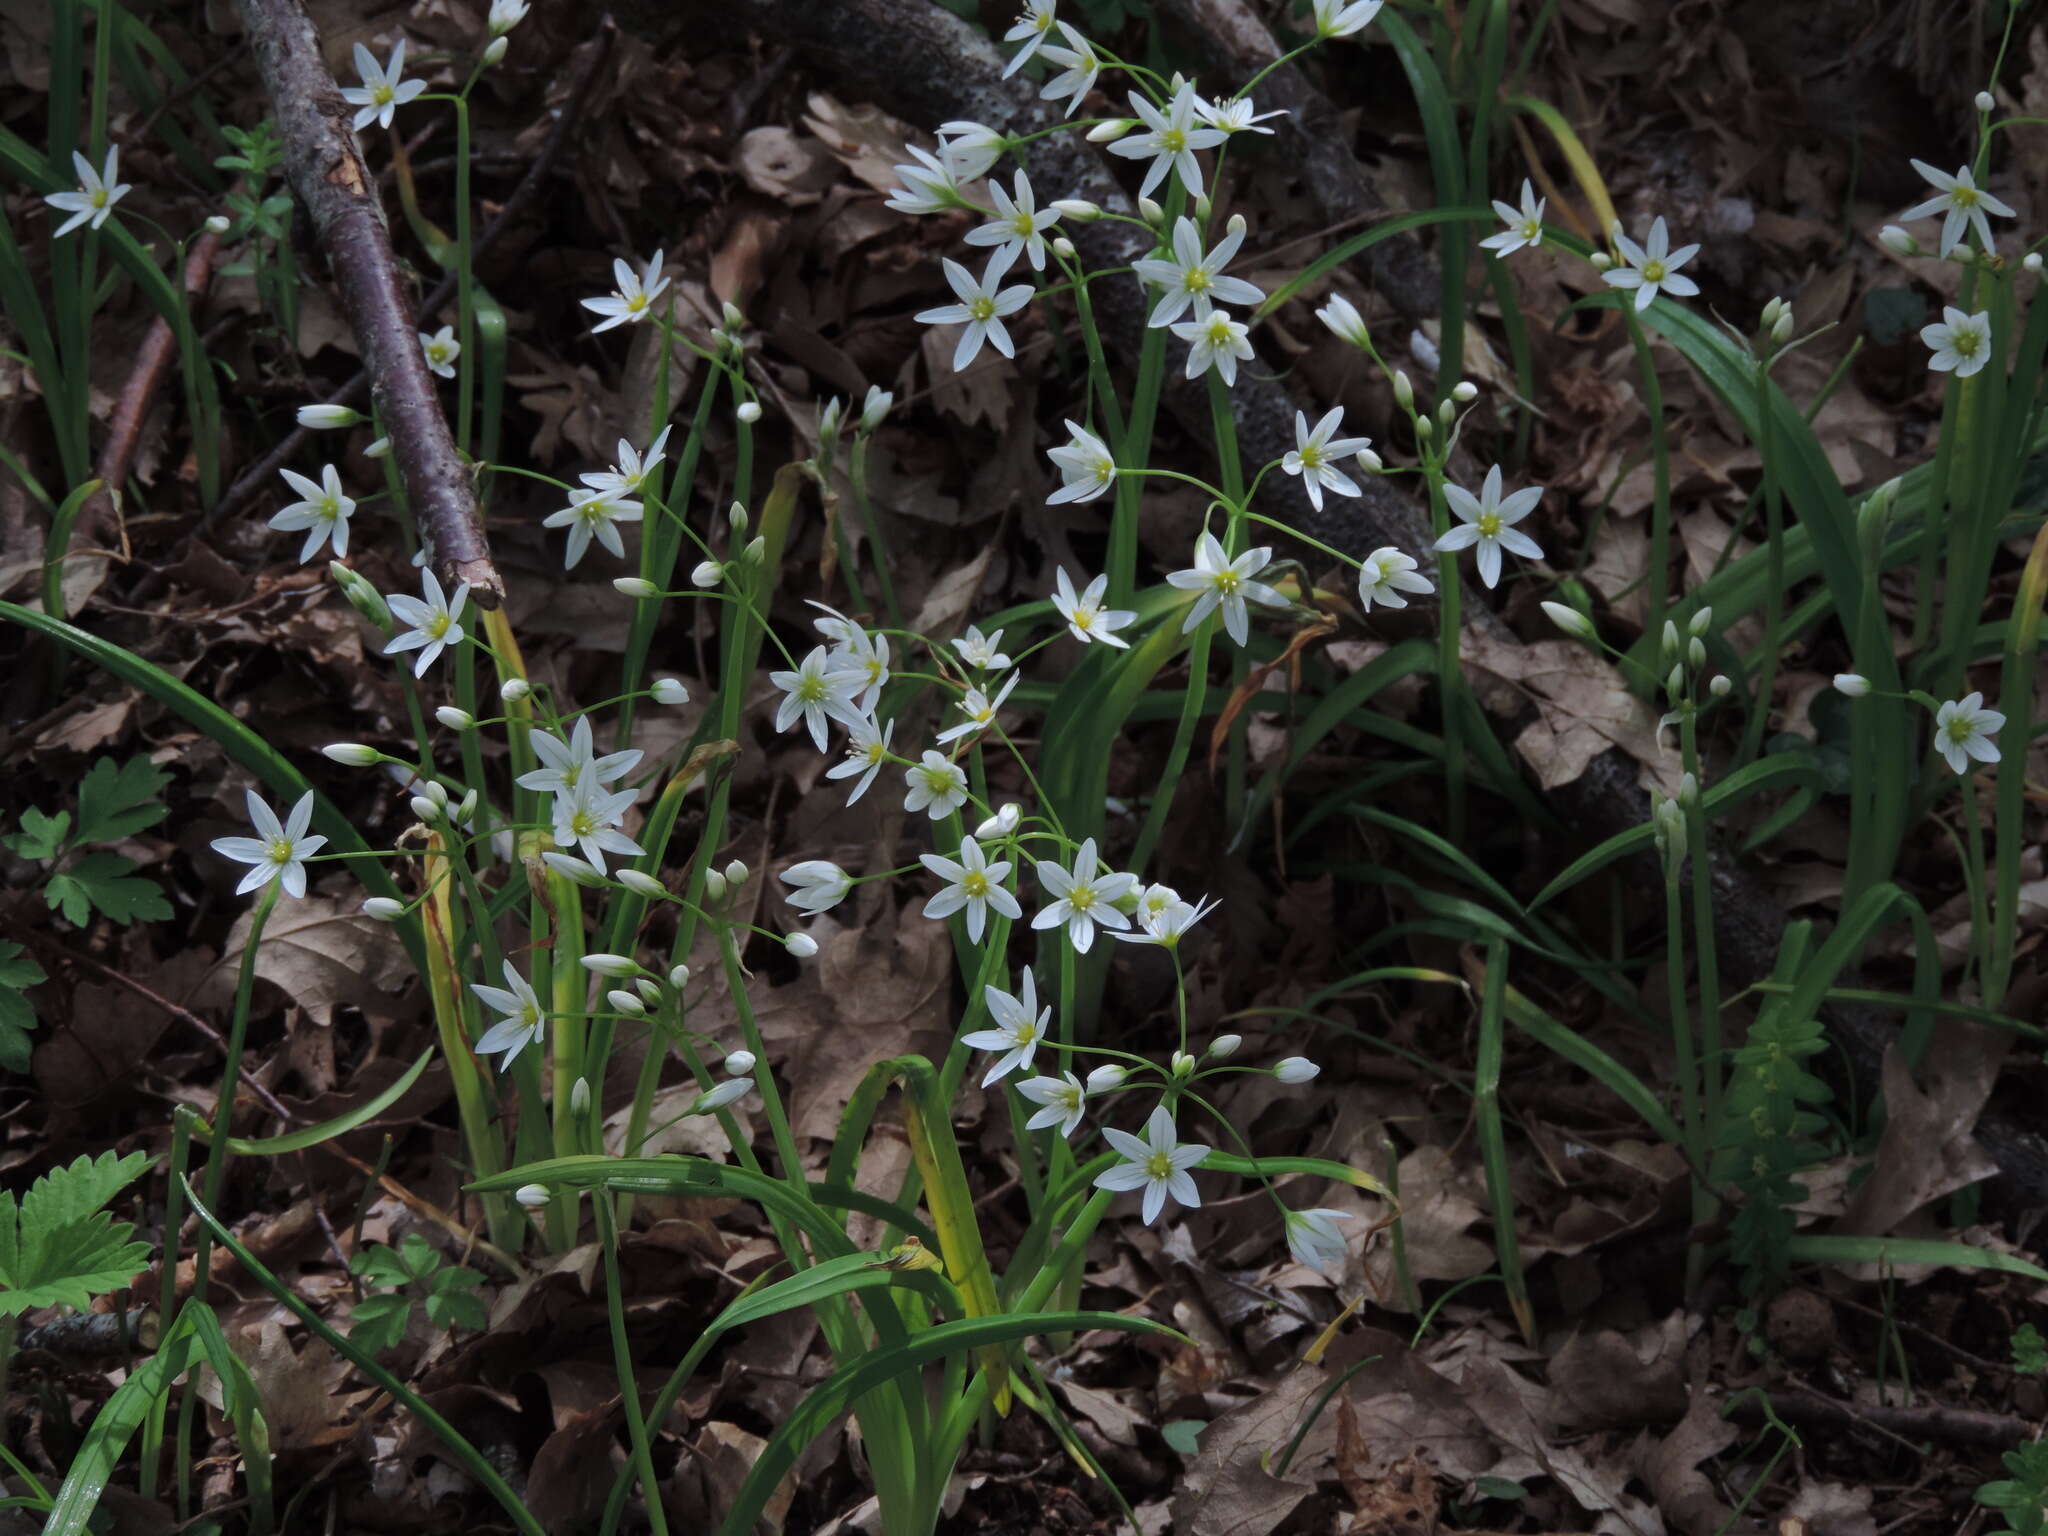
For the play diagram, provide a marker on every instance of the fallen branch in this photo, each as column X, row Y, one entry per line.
column 327, row 172
column 1958, row 1426
column 261, row 478
column 927, row 65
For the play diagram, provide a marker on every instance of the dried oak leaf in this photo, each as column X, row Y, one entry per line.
column 320, row 954
column 1582, row 709
column 1228, row 1489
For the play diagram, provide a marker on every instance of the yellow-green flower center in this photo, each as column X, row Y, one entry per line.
column 982, row 308
column 1196, row 280
column 1311, row 456
column 279, row 851
column 1081, row 898
column 1159, row 1166
column 1963, row 197
column 1083, row 618
column 1654, row 272
column 1961, row 728
column 1227, row 582
column 437, row 626
column 974, row 884
column 1964, row 343
column 1173, row 141
column 1489, row 525
column 938, row 780
column 1022, row 223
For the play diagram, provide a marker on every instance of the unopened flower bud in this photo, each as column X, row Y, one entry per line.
column 1669, row 822
column 218, row 224
column 648, row 988
column 739, row 1063
column 1464, row 391
column 1063, row 248
column 1447, row 414
column 730, row 317
column 455, row 719
column 1963, row 256
column 425, row 810
column 1003, row 823
column 1674, row 684
column 731, row 1091
column 1851, row 685
column 625, row 1002
column 361, row 595
column 874, row 410
column 1425, row 429
column 579, row 1098
column 603, row 964
column 352, row 754
column 1569, row 619
column 1701, row 621
column 1898, row 241
column 1369, row 461
column 635, row 586
column 1106, row 1077
column 383, row 909
column 1986, row 102
column 736, row 873
column 679, row 976
column 1077, row 208
column 1295, row 1070
column 1781, row 329
column 1183, row 1064
column 707, row 575
column 1696, row 652
column 749, row 411
column 323, row 418
column 1688, row 790
column 494, row 51
column 1150, row 211
column 1203, row 208
column 640, row 883
column 1600, row 261
column 2032, row 262
column 513, row 689
column 436, row 792
column 380, row 449
column 828, row 419
column 802, row 945
column 533, row 1196
column 714, row 886
column 1670, row 647
column 467, row 809
column 571, row 868
column 1404, row 392
column 1224, row 1045
column 1110, row 128
column 669, row 691
column 756, row 550
column 1719, row 685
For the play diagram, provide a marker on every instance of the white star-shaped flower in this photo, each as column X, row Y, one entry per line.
column 1078, row 64
column 525, row 1020
column 1963, row 729
column 972, row 883
column 1226, row 583
column 432, row 621
column 982, row 307
column 982, row 651
column 592, row 515
column 1158, row 1163
column 931, row 184
column 1191, row 276
column 1030, row 29
column 1336, row 18
column 323, row 512
column 1961, row 343
column 632, row 469
column 278, row 851
column 1085, row 465
column 1086, row 618
column 971, row 146
column 1020, row 1026
column 567, row 766
column 936, row 787
column 382, row 92
column 818, row 690
column 1083, row 898
column 1170, row 141
column 1019, row 223
column 440, row 350
column 1652, row 267
column 1235, row 115
column 587, row 818
column 816, row 885
column 97, row 193
column 1344, row 321
column 1062, row 1098
column 866, row 751
column 633, row 300
column 980, row 710
column 1384, row 575
column 1165, row 926
column 1488, row 521
column 1316, row 452
column 1961, row 202
column 1524, row 224
column 1215, row 341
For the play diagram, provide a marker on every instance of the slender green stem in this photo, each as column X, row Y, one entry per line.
column 622, row 1363
column 1774, row 592
column 1705, row 951
column 1659, row 585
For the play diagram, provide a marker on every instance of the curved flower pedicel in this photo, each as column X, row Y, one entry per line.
column 278, row 851
column 1488, row 521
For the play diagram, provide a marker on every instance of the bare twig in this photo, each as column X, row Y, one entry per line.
column 327, row 172
column 589, row 59
column 1932, row 1421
